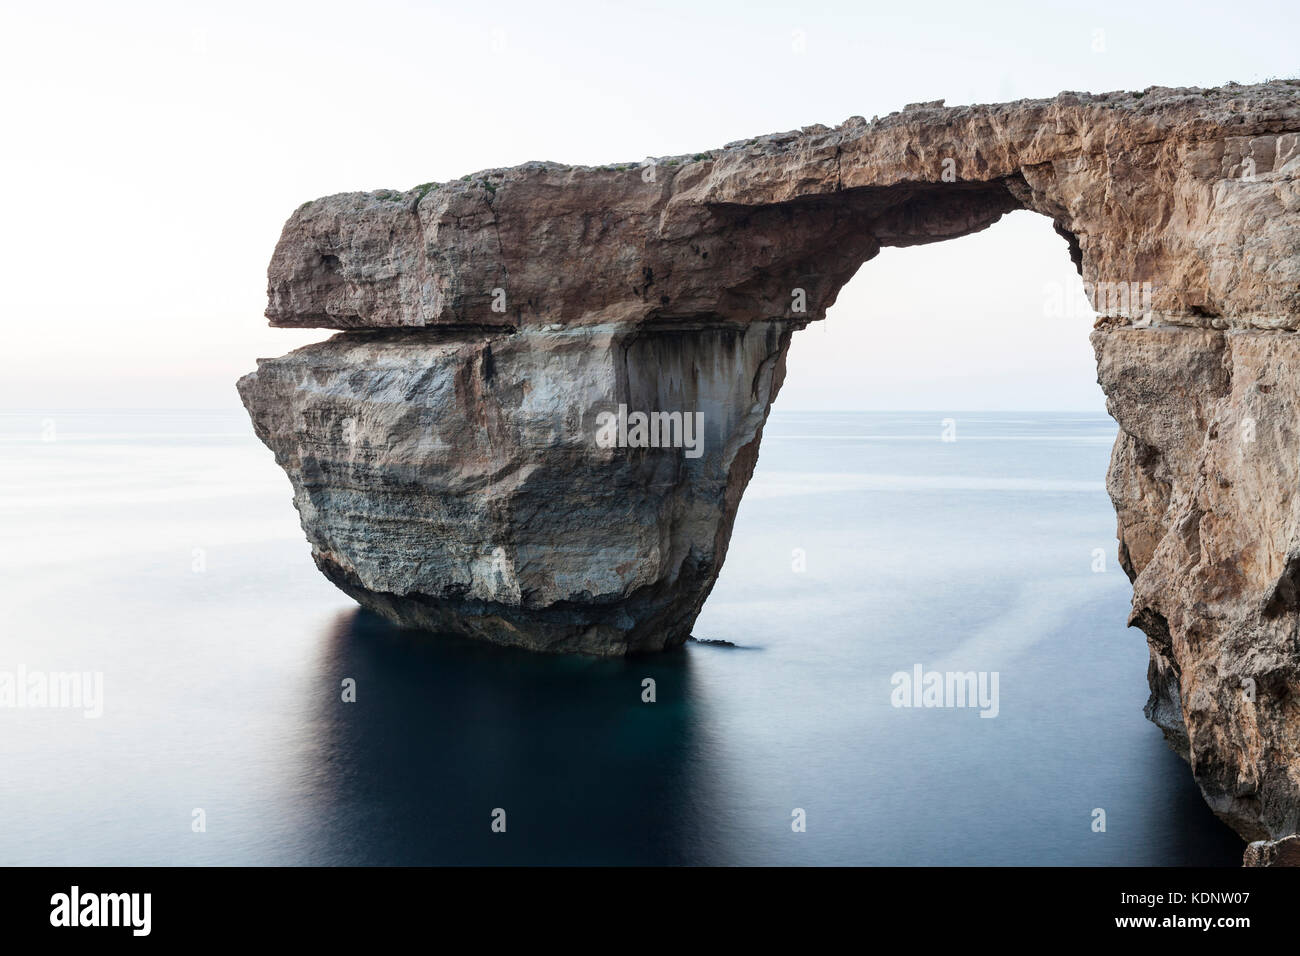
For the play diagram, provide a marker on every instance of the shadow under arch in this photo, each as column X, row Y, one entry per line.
column 445, row 731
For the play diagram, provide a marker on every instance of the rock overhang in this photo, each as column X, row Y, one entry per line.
column 1132, row 180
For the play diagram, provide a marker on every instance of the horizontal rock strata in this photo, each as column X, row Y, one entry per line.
column 452, row 482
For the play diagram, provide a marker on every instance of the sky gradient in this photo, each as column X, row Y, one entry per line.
column 152, row 155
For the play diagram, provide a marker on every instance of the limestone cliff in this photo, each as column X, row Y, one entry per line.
column 444, row 452
column 451, row 480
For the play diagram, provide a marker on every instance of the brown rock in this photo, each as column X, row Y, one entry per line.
column 447, row 472
column 1285, row 852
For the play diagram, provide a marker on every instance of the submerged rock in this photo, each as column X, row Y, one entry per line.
column 467, row 455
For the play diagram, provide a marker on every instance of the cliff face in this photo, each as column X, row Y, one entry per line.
column 452, row 481
column 1205, row 477
column 446, row 450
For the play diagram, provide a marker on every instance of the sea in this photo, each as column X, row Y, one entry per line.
column 159, row 555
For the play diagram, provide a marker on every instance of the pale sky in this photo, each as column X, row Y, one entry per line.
column 151, row 155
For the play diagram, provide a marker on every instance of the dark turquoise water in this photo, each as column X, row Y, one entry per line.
column 163, row 550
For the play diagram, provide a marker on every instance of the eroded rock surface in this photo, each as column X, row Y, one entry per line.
column 1192, row 190
column 451, row 481
column 1284, row 852
column 1205, row 477
column 443, row 448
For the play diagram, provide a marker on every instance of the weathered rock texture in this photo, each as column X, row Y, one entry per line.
column 1205, row 477
column 442, row 449
column 451, row 482
column 1284, row 852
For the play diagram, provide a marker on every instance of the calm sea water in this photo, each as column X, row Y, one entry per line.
column 163, row 551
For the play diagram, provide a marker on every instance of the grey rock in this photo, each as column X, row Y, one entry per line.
column 453, row 482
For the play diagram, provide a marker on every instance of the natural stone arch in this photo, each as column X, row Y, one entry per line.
column 442, row 450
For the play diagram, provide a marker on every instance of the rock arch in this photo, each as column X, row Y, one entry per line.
column 441, row 448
